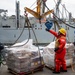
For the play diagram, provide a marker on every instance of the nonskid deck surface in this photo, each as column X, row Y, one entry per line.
column 46, row 71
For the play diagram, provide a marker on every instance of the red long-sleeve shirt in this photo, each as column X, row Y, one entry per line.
column 61, row 41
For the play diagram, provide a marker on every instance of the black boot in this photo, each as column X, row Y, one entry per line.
column 56, row 72
column 63, row 70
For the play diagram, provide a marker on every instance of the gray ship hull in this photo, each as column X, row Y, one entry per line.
column 10, row 35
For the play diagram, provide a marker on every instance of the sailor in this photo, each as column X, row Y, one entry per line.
column 1, row 47
column 60, row 50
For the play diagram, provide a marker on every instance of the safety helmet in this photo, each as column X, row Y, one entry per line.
column 62, row 31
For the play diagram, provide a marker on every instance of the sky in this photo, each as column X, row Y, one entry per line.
column 10, row 5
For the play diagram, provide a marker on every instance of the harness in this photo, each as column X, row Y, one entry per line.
column 57, row 42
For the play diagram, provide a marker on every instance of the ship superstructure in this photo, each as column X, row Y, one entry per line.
column 15, row 29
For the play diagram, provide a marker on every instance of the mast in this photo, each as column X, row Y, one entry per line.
column 57, row 8
column 17, row 14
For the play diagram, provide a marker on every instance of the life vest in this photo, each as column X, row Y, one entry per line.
column 57, row 41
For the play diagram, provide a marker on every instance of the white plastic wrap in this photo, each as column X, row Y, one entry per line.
column 23, row 58
column 48, row 54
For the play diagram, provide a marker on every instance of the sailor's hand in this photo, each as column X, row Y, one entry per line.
column 47, row 29
column 56, row 49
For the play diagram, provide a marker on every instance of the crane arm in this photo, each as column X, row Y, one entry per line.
column 32, row 12
column 38, row 13
column 38, row 6
column 46, row 13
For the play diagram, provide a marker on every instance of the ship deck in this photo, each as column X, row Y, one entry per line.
column 46, row 71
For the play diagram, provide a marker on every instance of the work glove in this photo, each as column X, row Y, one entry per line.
column 56, row 49
column 47, row 29
column 74, row 43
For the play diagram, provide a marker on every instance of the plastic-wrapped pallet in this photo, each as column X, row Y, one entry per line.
column 23, row 58
column 48, row 54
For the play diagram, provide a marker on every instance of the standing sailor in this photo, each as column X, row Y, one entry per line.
column 60, row 50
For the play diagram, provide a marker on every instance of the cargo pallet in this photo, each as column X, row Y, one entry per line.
column 40, row 68
column 51, row 68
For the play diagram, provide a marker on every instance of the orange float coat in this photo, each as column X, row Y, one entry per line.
column 61, row 52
